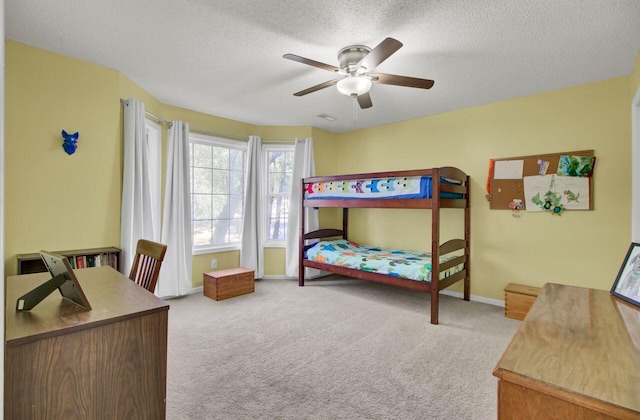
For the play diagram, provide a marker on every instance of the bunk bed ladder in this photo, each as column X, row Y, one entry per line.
column 467, row 238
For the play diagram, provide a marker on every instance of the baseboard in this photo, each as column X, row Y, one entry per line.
column 275, row 277
column 474, row 298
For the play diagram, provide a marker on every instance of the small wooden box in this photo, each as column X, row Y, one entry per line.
column 518, row 300
column 225, row 284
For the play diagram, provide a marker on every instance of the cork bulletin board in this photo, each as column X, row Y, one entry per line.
column 508, row 179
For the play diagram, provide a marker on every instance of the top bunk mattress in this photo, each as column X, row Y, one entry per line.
column 414, row 187
column 414, row 265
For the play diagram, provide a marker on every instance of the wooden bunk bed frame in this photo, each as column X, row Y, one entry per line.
column 435, row 204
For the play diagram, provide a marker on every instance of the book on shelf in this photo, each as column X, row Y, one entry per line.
column 80, row 258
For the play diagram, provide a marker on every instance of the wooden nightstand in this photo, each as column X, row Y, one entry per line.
column 518, row 300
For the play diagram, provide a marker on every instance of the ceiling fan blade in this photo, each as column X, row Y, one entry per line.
column 318, row 87
column 380, row 53
column 313, row 63
column 365, row 101
column 392, row 79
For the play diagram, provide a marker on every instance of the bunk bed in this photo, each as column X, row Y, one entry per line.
column 434, row 189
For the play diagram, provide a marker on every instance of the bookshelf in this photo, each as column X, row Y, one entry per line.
column 78, row 258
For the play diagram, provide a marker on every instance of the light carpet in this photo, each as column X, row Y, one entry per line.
column 333, row 349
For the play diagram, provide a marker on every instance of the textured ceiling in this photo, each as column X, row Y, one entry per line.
column 224, row 57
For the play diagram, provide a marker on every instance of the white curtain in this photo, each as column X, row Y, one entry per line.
column 252, row 248
column 138, row 212
column 303, row 167
column 175, row 274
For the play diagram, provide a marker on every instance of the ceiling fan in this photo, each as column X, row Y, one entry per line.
column 356, row 65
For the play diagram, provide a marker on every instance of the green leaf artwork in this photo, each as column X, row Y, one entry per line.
column 575, row 165
column 572, row 197
column 536, row 200
column 551, row 199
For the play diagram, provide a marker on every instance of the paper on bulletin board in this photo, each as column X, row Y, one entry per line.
column 573, row 191
column 508, row 169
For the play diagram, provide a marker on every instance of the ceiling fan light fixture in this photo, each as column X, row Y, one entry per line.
column 354, row 86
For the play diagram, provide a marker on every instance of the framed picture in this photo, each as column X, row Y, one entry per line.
column 627, row 284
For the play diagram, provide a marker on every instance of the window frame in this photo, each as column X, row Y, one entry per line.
column 198, row 138
column 266, row 148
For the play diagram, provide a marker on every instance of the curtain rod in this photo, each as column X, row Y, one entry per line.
column 160, row 120
column 211, row 132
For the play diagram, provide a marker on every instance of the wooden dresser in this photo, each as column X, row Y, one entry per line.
column 575, row 356
column 107, row 363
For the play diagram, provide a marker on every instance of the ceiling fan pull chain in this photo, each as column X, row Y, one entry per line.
column 355, row 109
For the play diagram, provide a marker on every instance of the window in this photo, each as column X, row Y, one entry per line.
column 217, row 191
column 279, row 171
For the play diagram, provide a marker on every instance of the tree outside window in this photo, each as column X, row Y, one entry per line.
column 279, row 167
column 217, row 191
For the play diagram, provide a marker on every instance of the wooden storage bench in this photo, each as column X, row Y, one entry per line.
column 518, row 300
column 225, row 284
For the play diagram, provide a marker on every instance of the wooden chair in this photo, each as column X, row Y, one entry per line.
column 146, row 264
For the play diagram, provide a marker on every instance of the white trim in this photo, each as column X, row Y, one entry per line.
column 193, row 291
column 474, row 298
column 199, row 289
column 274, row 244
column 635, row 168
column 215, row 250
column 217, row 141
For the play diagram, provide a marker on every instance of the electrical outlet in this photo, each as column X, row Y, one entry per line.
column 214, row 263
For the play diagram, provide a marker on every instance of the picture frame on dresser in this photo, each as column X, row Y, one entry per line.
column 627, row 283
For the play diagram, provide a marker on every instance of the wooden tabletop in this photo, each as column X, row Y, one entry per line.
column 111, row 294
column 578, row 341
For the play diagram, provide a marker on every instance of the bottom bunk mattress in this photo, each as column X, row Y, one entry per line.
column 414, row 265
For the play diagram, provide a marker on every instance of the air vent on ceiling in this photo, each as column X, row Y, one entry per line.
column 327, row 117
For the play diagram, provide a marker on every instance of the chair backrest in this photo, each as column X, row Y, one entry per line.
column 146, row 264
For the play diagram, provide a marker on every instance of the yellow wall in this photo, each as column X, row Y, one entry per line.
column 54, row 201
column 57, row 202
column 580, row 247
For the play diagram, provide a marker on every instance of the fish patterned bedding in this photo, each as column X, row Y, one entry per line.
column 415, row 265
column 376, row 188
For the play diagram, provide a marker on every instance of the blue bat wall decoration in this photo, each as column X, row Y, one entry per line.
column 70, row 142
